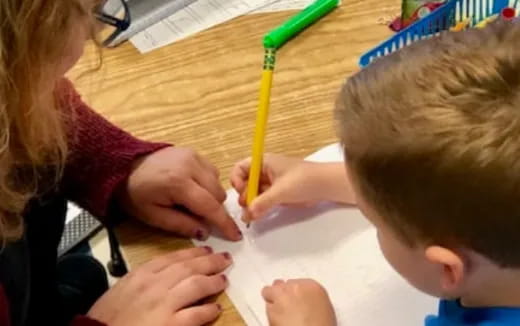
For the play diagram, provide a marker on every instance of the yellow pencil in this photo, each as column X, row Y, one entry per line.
column 273, row 41
column 261, row 126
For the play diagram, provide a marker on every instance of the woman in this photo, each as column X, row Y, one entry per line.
column 54, row 148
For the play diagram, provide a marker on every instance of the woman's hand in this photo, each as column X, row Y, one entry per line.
column 166, row 291
column 298, row 302
column 177, row 190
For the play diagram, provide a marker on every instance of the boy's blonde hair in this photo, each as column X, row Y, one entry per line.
column 33, row 142
column 432, row 138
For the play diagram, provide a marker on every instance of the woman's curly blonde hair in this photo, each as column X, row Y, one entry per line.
column 33, row 138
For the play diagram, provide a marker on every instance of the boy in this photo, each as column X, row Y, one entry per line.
column 431, row 136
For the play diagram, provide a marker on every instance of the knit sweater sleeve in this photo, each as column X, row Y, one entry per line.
column 5, row 319
column 100, row 154
column 85, row 321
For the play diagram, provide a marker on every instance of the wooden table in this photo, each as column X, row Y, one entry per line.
column 202, row 93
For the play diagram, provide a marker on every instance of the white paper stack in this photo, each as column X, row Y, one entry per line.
column 332, row 244
column 283, row 5
column 194, row 18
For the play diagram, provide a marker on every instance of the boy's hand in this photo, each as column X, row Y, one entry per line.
column 298, row 302
column 166, row 291
column 283, row 181
column 289, row 181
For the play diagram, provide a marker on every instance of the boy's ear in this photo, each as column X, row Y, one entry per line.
column 451, row 265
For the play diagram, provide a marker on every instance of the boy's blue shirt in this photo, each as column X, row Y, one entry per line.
column 452, row 313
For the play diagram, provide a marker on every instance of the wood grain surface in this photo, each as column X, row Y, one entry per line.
column 202, row 93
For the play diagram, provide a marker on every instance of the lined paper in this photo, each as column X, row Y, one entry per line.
column 282, row 5
column 146, row 13
column 332, row 244
column 194, row 18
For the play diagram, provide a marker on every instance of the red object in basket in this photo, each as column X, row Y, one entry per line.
column 508, row 13
column 421, row 12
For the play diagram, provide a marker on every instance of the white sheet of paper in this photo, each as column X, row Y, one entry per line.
column 282, row 5
column 196, row 17
column 332, row 244
column 145, row 13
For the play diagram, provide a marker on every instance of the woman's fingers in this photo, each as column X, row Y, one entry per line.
column 204, row 265
column 196, row 288
column 197, row 315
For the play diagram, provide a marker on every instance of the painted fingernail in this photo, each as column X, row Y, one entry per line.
column 227, row 255
column 200, row 235
column 208, row 249
column 224, row 278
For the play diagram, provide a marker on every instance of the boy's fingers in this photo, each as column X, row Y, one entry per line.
column 240, row 174
column 238, row 184
column 264, row 187
column 267, row 294
column 263, row 203
column 278, row 282
column 246, row 216
column 270, row 293
column 242, row 200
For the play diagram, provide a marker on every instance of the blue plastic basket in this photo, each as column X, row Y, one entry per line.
column 441, row 19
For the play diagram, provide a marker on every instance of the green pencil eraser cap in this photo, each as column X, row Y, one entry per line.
column 269, row 42
column 278, row 36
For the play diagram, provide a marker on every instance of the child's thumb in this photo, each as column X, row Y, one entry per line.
column 264, row 202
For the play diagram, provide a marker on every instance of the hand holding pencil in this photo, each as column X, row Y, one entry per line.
column 273, row 41
column 275, row 187
column 290, row 181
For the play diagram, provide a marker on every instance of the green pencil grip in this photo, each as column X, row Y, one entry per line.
column 278, row 36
